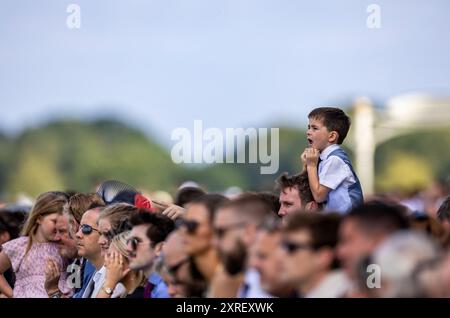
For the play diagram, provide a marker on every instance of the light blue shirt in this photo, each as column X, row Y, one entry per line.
column 335, row 174
column 160, row 289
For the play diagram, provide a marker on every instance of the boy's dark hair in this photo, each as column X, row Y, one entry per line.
column 160, row 226
column 334, row 119
column 444, row 210
column 187, row 195
column 300, row 182
column 377, row 216
column 211, row 201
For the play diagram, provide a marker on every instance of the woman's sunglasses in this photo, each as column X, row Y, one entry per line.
column 87, row 229
column 190, row 225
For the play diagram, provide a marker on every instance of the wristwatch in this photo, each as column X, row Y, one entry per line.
column 107, row 290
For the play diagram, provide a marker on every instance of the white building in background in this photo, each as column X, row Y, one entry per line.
column 403, row 114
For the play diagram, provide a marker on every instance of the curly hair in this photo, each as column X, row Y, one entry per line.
column 297, row 181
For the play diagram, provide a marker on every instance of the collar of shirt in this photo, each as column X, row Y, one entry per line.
column 324, row 154
column 98, row 274
column 159, row 289
column 154, row 279
column 93, row 282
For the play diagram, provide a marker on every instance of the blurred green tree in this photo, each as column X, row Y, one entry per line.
column 77, row 155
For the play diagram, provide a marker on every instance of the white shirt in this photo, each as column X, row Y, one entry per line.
column 335, row 174
column 333, row 285
column 96, row 283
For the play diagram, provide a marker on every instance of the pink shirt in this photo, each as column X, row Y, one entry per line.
column 30, row 271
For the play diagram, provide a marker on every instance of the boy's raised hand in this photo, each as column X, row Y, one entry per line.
column 312, row 157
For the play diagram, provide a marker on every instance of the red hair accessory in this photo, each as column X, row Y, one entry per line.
column 142, row 202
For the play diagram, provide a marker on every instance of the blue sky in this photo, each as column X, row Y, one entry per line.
column 162, row 64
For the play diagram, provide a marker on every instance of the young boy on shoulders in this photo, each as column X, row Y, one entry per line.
column 330, row 173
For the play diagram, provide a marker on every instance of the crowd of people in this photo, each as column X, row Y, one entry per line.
column 313, row 236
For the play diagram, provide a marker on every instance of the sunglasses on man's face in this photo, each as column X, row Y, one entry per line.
column 134, row 242
column 86, row 229
column 292, row 247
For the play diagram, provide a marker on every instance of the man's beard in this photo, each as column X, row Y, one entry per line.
column 68, row 253
column 234, row 261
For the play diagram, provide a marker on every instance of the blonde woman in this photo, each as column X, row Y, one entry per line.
column 28, row 254
column 119, row 277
